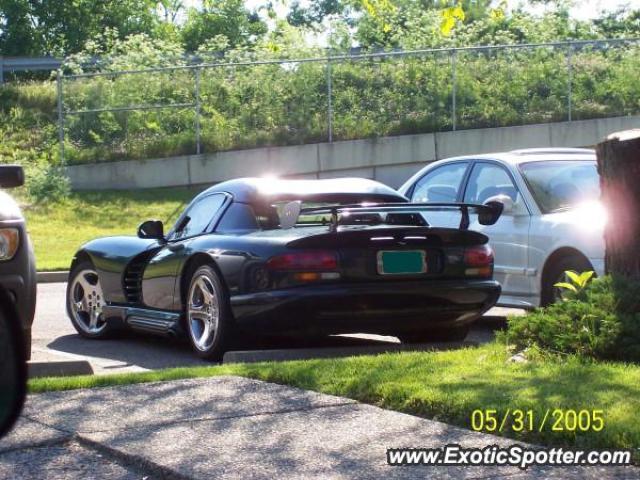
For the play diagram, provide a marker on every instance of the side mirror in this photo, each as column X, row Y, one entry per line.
column 508, row 205
column 13, row 367
column 11, row 176
column 153, row 229
column 491, row 214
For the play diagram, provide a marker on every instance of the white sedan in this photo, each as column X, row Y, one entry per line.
column 552, row 220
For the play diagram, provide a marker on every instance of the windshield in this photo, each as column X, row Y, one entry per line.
column 561, row 184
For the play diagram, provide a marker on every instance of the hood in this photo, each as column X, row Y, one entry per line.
column 9, row 209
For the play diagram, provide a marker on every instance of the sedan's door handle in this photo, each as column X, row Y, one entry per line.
column 176, row 247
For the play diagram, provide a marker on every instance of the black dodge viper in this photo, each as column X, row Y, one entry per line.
column 289, row 257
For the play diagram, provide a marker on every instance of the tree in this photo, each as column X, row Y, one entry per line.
column 383, row 23
column 47, row 27
column 313, row 14
column 619, row 169
column 18, row 35
column 221, row 17
column 623, row 23
column 171, row 9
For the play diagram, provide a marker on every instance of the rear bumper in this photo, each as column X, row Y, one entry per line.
column 382, row 308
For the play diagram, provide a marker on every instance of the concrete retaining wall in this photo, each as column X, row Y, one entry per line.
column 390, row 160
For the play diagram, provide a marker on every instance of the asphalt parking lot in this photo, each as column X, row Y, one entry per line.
column 55, row 340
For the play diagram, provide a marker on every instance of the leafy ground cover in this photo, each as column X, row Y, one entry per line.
column 58, row 228
column 447, row 386
column 599, row 321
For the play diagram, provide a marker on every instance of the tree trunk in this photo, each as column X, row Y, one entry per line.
column 619, row 169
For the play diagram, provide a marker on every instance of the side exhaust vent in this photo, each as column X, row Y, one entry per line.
column 132, row 279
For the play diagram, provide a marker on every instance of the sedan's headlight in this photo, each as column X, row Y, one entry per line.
column 9, row 242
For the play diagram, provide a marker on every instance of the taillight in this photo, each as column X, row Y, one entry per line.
column 478, row 261
column 319, row 261
column 304, row 267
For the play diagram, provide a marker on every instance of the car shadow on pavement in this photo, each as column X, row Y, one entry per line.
column 129, row 349
column 149, row 352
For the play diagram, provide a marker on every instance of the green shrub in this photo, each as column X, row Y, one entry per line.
column 46, row 182
column 602, row 321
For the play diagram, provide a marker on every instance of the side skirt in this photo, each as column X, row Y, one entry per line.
column 157, row 322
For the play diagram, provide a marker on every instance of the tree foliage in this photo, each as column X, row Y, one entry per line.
column 228, row 18
column 41, row 27
column 60, row 28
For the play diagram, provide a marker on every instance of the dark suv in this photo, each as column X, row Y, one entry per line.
column 17, row 263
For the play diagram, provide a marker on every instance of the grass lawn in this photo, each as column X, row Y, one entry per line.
column 58, row 229
column 446, row 386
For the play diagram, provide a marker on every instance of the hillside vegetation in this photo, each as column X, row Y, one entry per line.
column 246, row 106
column 253, row 106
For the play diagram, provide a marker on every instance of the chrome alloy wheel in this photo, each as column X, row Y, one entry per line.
column 87, row 302
column 203, row 313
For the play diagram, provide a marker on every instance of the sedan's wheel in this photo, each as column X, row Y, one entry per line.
column 85, row 301
column 556, row 274
column 207, row 314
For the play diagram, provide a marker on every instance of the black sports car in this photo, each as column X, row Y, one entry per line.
column 289, row 257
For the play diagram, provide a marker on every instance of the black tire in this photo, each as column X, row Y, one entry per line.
column 13, row 363
column 554, row 273
column 442, row 334
column 197, row 316
column 82, row 277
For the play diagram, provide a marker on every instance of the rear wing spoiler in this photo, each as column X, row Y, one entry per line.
column 488, row 214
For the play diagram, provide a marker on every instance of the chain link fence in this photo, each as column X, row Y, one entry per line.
column 206, row 108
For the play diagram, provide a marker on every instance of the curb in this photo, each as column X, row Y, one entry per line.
column 253, row 356
column 59, row 369
column 52, row 277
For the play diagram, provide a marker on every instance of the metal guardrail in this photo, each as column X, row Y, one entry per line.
column 25, row 64
column 569, row 47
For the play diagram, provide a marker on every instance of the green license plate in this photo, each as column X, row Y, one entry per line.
column 401, row 262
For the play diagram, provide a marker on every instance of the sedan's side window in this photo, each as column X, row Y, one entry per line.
column 488, row 180
column 441, row 184
column 200, row 216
